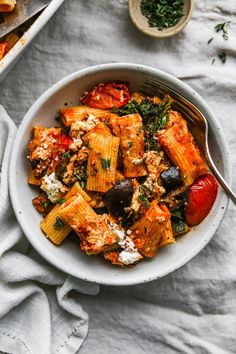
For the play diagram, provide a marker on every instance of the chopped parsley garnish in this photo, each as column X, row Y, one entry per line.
column 143, row 198
column 222, row 56
column 81, row 181
column 130, row 144
column 155, row 117
column 144, row 192
column 59, row 224
column 78, row 177
column 210, row 40
column 213, row 61
column 66, row 155
column 129, row 108
column 222, row 27
column 162, row 13
column 82, row 184
column 105, row 163
column 61, row 201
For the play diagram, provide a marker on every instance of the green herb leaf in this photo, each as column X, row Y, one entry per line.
column 105, row 163
column 66, row 155
column 210, row 40
column 222, row 56
column 144, row 192
column 61, row 201
column 130, row 144
column 213, row 61
column 78, row 177
column 59, row 224
column 129, row 108
column 82, row 184
column 222, row 27
column 144, row 200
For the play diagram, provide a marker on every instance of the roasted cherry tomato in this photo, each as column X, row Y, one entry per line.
column 64, row 142
column 62, row 145
column 3, row 49
column 202, row 195
column 107, row 96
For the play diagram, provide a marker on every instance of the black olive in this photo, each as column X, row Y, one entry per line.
column 119, row 197
column 171, row 178
column 101, row 211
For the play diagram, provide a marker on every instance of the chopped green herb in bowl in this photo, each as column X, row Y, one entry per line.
column 162, row 13
column 160, row 18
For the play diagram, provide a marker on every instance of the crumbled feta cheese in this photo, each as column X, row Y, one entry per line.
column 53, row 187
column 85, row 125
column 130, row 254
column 127, row 257
column 137, row 161
column 76, row 144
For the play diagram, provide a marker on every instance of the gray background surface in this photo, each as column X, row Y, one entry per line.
column 192, row 310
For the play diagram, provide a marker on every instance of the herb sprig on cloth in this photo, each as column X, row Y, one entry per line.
column 222, row 27
column 162, row 13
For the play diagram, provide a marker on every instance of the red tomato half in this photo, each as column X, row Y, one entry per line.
column 107, row 96
column 202, row 195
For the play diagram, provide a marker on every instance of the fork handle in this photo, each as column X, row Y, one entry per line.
column 220, row 179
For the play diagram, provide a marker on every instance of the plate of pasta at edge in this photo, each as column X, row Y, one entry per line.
column 108, row 183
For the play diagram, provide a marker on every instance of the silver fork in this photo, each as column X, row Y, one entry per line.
column 197, row 123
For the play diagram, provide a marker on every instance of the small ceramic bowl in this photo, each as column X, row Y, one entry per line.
column 141, row 22
column 68, row 257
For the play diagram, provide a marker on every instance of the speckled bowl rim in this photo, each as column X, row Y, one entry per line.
column 144, row 70
column 163, row 34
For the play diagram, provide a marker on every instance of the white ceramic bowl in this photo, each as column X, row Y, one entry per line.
column 15, row 53
column 68, row 256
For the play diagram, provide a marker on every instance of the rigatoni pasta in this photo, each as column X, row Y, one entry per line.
column 122, row 172
column 130, row 130
column 7, row 5
column 52, row 225
column 102, row 162
column 178, row 144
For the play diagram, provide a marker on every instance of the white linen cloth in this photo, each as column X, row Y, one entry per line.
column 192, row 310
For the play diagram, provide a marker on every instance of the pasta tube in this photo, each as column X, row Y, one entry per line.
column 100, row 129
column 178, row 144
column 148, row 231
column 130, row 131
column 167, row 236
column 72, row 114
column 102, row 161
column 57, row 233
column 93, row 229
